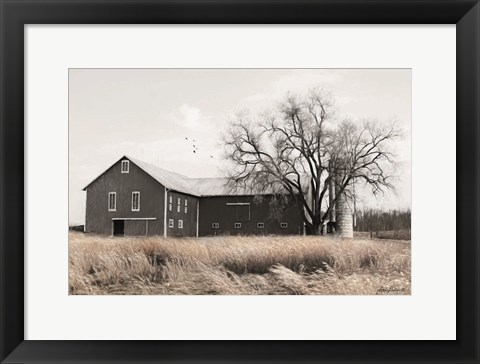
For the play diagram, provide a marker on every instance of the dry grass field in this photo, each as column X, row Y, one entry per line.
column 232, row 265
column 384, row 234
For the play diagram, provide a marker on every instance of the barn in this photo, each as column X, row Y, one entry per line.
column 134, row 198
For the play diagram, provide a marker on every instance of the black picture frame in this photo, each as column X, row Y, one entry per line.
column 15, row 14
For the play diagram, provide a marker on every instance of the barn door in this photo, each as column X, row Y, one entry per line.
column 119, row 227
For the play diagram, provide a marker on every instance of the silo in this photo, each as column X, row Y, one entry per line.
column 341, row 211
column 331, row 196
column 344, row 218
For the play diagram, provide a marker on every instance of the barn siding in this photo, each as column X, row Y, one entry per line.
column 99, row 219
column 216, row 210
column 189, row 218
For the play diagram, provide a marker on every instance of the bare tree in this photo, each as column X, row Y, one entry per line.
column 300, row 147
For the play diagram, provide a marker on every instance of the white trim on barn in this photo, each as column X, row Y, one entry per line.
column 133, row 201
column 125, row 163
column 114, row 194
column 165, row 214
column 134, row 218
column 198, row 215
column 85, row 225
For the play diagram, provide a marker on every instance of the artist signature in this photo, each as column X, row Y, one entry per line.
column 390, row 290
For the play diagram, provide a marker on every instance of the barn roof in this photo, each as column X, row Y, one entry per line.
column 220, row 186
column 171, row 180
column 217, row 186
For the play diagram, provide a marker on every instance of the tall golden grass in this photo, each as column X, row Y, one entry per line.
column 237, row 265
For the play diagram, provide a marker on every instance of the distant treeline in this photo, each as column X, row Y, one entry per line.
column 376, row 220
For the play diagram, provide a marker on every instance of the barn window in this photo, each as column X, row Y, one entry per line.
column 170, row 204
column 186, row 205
column 171, row 223
column 215, row 225
column 125, row 166
column 238, row 225
column 178, row 204
column 283, row 225
column 135, row 201
column 260, row 225
column 112, row 201
column 180, row 224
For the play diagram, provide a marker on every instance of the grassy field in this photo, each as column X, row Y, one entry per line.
column 384, row 234
column 234, row 265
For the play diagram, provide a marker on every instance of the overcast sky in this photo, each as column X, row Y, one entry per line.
column 148, row 113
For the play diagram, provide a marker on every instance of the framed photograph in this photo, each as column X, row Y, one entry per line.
column 239, row 181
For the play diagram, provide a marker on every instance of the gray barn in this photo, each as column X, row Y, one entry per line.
column 134, row 198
